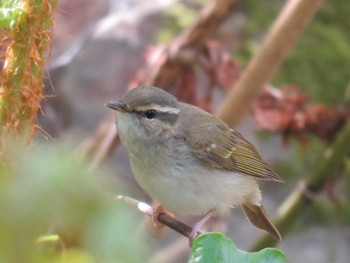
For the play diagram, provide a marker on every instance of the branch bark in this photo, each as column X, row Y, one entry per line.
column 289, row 25
column 165, row 219
column 164, row 73
column 297, row 201
column 101, row 143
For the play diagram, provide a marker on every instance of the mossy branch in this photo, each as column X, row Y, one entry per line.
column 297, row 201
column 26, row 42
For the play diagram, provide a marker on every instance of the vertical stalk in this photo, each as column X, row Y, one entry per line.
column 285, row 31
column 296, row 202
column 21, row 86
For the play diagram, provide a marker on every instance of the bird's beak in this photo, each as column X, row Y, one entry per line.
column 118, row 106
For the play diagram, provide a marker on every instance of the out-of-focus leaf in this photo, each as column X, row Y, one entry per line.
column 178, row 17
column 69, row 256
column 217, row 248
column 47, row 191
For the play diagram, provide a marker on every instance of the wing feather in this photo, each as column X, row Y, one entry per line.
column 224, row 148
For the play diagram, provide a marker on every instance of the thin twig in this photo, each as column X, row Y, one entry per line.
column 163, row 74
column 165, row 219
column 109, row 141
column 101, row 143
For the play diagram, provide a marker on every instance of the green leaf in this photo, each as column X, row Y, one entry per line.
column 216, row 247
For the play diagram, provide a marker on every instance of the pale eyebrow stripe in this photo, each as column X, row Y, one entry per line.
column 162, row 109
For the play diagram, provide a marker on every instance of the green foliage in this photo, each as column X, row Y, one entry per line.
column 52, row 210
column 10, row 11
column 8, row 17
column 260, row 15
column 337, row 206
column 347, row 167
column 336, row 12
column 9, row 3
column 215, row 247
column 319, row 62
column 178, row 17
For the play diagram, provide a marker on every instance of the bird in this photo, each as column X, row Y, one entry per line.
column 189, row 161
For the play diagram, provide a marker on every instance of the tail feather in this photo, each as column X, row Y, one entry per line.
column 257, row 215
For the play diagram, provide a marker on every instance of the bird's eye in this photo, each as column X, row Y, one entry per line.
column 150, row 114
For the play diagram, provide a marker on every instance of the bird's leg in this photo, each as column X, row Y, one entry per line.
column 199, row 224
column 157, row 211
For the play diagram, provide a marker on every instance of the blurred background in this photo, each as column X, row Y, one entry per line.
column 100, row 49
column 99, row 46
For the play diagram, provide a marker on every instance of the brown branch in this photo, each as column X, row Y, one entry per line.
column 165, row 219
column 102, row 143
column 168, row 65
column 289, row 25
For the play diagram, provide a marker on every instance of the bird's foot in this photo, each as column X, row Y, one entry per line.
column 158, row 211
column 195, row 230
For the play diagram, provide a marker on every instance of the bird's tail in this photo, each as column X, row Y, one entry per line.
column 257, row 215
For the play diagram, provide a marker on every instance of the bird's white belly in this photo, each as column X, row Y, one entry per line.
column 196, row 189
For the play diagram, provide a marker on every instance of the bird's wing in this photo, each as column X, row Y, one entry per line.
column 221, row 147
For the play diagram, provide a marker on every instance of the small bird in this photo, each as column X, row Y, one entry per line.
column 188, row 160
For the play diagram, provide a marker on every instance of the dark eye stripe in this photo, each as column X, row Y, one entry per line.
column 168, row 117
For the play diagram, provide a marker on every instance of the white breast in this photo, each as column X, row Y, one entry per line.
column 185, row 185
column 179, row 181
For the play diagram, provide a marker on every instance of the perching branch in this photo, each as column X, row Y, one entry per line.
column 165, row 219
column 296, row 202
column 289, row 25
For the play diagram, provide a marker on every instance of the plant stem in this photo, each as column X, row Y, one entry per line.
column 289, row 25
column 163, row 73
column 296, row 202
column 21, row 87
